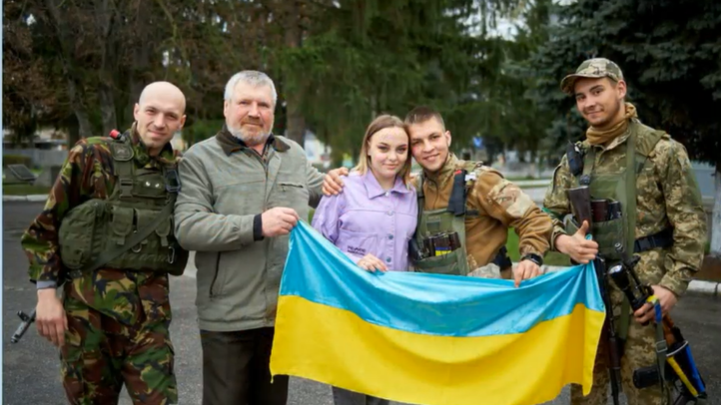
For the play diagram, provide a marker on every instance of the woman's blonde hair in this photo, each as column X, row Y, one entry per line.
column 382, row 122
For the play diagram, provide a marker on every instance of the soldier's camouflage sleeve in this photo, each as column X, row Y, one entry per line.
column 685, row 212
column 556, row 203
column 40, row 240
column 509, row 204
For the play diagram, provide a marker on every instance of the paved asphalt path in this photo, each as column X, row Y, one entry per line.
column 30, row 368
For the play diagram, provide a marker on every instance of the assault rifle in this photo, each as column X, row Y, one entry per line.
column 580, row 199
column 27, row 320
column 679, row 368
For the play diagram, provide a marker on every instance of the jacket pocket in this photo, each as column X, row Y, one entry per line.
column 216, row 284
column 293, row 194
column 358, row 243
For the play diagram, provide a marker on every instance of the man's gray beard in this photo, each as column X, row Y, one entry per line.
column 249, row 140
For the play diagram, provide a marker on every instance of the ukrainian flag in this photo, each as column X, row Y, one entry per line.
column 433, row 339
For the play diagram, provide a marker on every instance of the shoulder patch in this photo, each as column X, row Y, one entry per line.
column 122, row 152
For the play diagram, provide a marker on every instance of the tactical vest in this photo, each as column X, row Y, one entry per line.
column 109, row 232
column 449, row 219
column 620, row 186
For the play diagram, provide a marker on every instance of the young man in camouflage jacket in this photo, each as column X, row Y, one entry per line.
column 490, row 206
column 651, row 176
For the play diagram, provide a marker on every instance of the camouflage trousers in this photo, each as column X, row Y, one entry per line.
column 100, row 354
column 639, row 351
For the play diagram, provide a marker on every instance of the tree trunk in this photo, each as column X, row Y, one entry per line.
column 139, row 70
column 107, row 108
column 104, row 20
column 295, row 121
column 85, row 130
column 73, row 133
column 715, row 230
column 75, row 91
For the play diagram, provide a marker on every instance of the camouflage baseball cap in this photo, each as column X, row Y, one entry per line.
column 594, row 68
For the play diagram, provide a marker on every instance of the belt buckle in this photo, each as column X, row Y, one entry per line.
column 661, row 346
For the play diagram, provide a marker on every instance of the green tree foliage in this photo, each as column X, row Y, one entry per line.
column 336, row 64
column 79, row 64
column 503, row 113
column 670, row 54
column 364, row 58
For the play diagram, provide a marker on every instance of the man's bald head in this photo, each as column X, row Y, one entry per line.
column 159, row 113
column 165, row 89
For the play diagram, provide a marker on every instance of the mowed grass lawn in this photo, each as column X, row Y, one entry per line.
column 24, row 189
column 551, row 258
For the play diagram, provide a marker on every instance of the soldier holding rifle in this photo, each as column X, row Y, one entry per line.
column 640, row 190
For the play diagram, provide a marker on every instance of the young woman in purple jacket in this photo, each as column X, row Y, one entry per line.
column 374, row 218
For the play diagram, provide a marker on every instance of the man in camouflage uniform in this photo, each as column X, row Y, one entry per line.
column 112, row 325
column 493, row 204
column 626, row 161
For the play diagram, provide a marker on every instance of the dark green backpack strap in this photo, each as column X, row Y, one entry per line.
column 420, row 197
column 630, row 210
column 123, row 154
column 459, row 194
column 589, row 162
column 640, row 145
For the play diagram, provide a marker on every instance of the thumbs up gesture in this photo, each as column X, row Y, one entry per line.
column 577, row 246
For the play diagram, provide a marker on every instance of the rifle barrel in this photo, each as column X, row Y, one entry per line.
column 23, row 327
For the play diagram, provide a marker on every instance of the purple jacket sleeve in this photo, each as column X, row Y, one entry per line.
column 326, row 219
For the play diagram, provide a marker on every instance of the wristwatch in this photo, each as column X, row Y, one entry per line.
column 534, row 258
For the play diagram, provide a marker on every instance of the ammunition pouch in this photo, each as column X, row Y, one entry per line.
column 99, row 227
column 438, row 245
column 608, row 233
column 440, row 236
column 452, row 263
